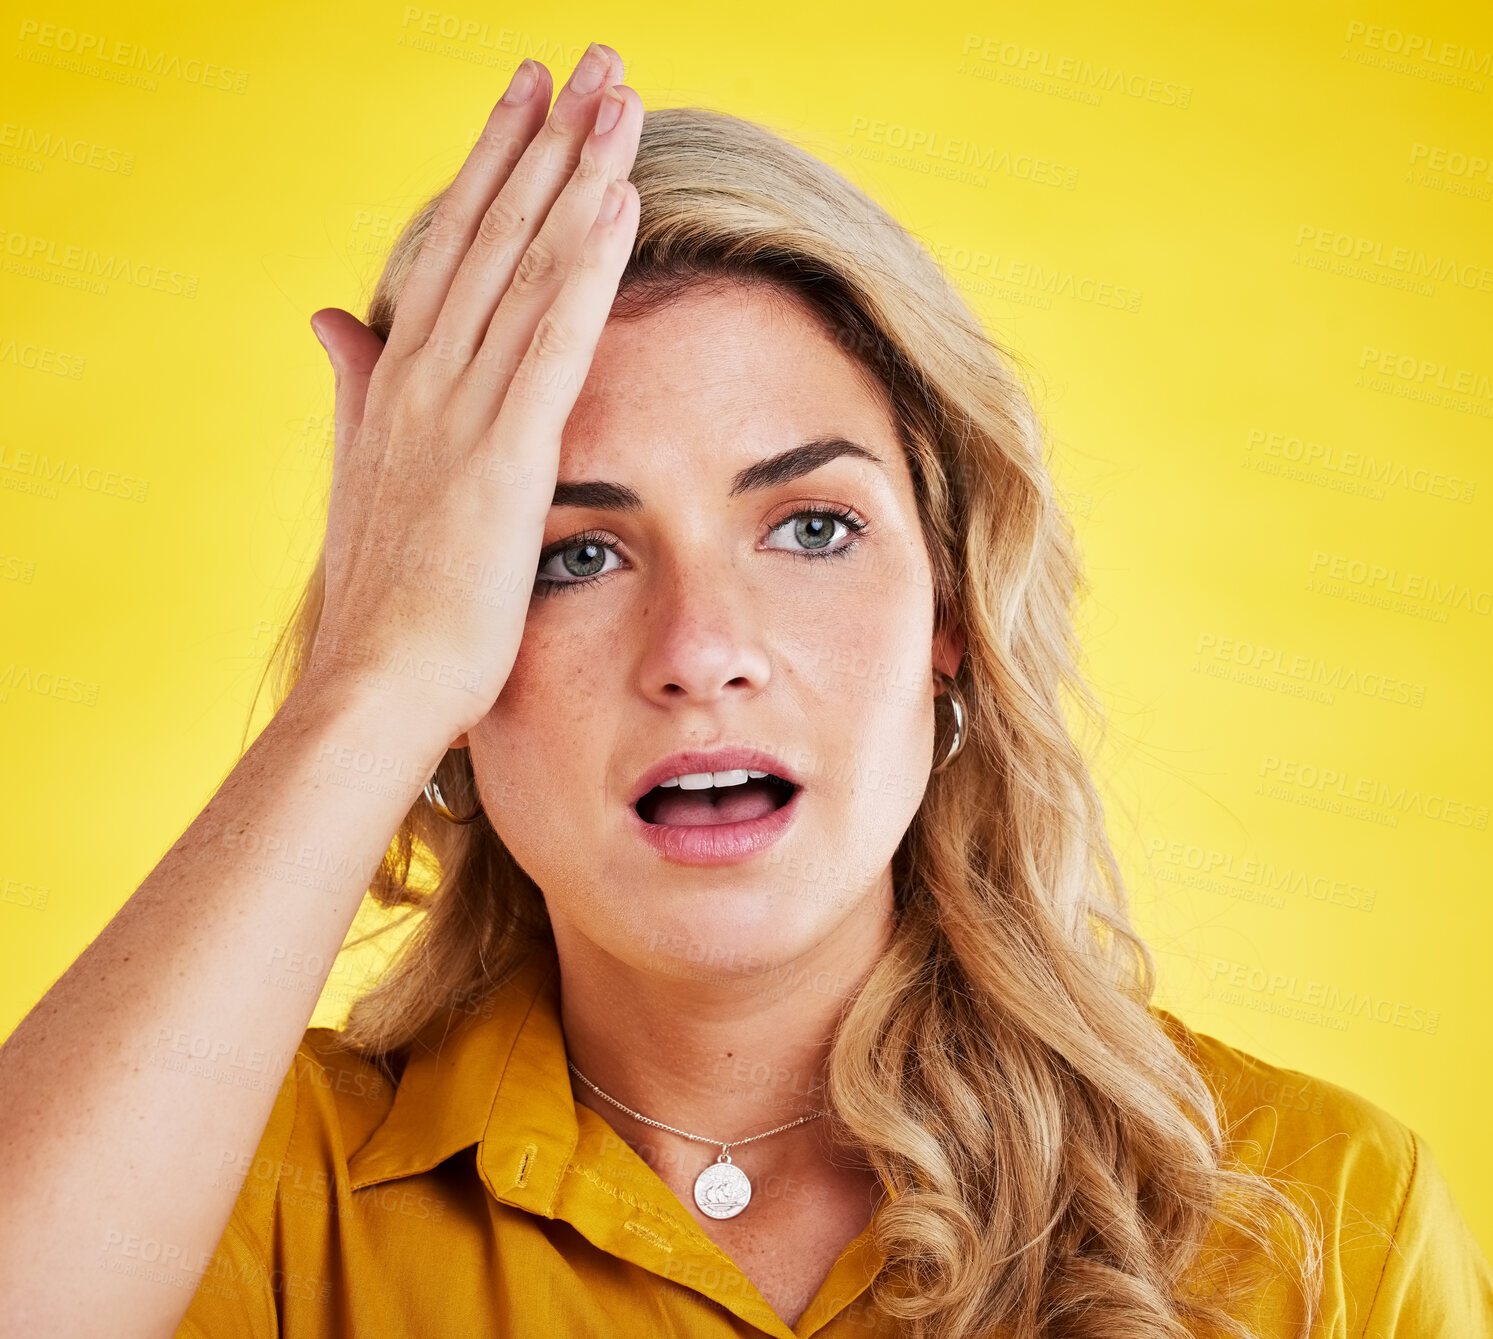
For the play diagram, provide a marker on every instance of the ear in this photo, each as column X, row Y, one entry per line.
column 948, row 649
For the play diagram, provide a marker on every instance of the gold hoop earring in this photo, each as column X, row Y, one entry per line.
column 438, row 803
column 956, row 701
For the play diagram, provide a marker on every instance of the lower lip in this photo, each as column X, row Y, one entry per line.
column 716, row 843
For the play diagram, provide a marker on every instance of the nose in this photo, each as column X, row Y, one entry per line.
column 704, row 631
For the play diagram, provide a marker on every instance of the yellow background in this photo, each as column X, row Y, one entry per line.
column 1273, row 435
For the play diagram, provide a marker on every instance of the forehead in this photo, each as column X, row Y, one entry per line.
column 729, row 370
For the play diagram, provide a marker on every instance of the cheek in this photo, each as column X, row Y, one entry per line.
column 564, row 674
column 868, row 681
column 545, row 737
column 872, row 651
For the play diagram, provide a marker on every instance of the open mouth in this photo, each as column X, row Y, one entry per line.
column 708, row 806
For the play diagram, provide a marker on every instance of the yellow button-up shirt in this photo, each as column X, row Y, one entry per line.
column 475, row 1196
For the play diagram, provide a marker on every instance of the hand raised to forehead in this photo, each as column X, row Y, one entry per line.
column 448, row 437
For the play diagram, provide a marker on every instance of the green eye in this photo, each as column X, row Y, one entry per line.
column 812, row 533
column 589, row 563
column 576, row 562
column 582, row 559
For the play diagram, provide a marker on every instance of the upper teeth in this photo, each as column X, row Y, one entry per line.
column 703, row 780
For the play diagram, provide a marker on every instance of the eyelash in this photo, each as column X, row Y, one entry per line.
column 850, row 519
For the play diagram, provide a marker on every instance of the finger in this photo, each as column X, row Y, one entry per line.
column 511, row 129
column 353, row 350
column 523, row 441
column 502, row 236
column 617, row 72
column 548, row 261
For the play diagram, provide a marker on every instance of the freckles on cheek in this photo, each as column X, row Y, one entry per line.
column 539, row 743
column 534, row 651
column 555, row 691
column 869, row 672
column 872, row 621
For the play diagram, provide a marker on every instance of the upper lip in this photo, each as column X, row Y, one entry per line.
column 714, row 760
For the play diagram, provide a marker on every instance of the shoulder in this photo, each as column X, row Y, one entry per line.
column 330, row 1071
column 331, row 1099
column 339, row 1095
column 1298, row 1118
column 1399, row 1257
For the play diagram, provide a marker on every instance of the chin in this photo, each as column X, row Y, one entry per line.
column 764, row 940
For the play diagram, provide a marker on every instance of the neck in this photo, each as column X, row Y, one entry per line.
column 726, row 1049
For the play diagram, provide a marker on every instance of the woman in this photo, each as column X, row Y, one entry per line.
column 777, row 978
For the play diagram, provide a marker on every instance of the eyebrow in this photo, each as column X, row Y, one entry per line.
column 782, row 468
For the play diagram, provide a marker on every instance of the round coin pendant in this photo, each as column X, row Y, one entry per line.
column 722, row 1189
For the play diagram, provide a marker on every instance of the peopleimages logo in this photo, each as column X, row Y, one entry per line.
column 930, row 144
column 1195, row 865
column 1419, row 46
column 1454, row 162
column 1377, row 577
column 1334, row 675
column 33, row 143
column 1406, row 367
column 1286, row 992
column 28, row 253
column 1377, row 471
column 1031, row 63
column 74, row 47
column 1337, row 785
column 1408, row 260
column 32, row 471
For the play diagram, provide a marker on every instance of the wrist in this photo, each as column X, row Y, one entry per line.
column 368, row 726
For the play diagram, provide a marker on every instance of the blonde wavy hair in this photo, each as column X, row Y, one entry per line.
column 1060, row 1164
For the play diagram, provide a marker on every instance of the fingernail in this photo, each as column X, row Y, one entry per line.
column 521, row 86
column 615, row 55
column 591, row 71
column 609, row 110
column 316, row 330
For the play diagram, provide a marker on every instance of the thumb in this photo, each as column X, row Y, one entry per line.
column 353, row 350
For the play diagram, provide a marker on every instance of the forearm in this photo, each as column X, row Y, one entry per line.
column 116, row 1122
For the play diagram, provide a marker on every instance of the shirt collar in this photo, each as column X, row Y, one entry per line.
column 457, row 1070
column 498, row 1079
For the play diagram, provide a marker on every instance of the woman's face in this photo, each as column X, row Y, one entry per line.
column 734, row 604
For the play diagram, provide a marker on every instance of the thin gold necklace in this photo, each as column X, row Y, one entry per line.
column 722, row 1190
